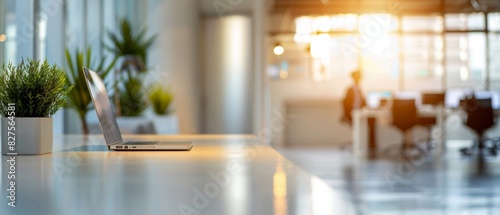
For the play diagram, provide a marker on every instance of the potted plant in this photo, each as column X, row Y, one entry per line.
column 31, row 93
column 161, row 101
column 79, row 97
column 131, row 48
column 133, row 95
column 132, row 104
column 126, row 42
column 130, row 92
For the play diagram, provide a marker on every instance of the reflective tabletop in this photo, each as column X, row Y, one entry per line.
column 221, row 175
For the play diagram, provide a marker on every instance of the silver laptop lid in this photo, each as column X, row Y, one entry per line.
column 107, row 119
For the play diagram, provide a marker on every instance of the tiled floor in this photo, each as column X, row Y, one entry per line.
column 448, row 184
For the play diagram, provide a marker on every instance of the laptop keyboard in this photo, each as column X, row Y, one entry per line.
column 139, row 143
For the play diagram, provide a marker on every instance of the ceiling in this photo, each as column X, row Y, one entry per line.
column 407, row 7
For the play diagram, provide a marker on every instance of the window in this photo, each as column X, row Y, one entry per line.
column 494, row 67
column 422, row 23
column 58, row 25
column 463, row 22
column 466, row 60
column 423, row 57
column 428, row 53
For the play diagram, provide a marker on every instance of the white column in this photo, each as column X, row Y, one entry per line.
column 227, row 75
column 175, row 56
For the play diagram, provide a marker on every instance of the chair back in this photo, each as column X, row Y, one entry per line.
column 433, row 98
column 404, row 113
column 480, row 115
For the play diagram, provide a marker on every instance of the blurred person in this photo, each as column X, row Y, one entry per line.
column 354, row 98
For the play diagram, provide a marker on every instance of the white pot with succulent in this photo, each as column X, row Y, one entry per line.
column 31, row 93
column 161, row 101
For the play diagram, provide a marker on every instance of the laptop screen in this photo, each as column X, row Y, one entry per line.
column 107, row 119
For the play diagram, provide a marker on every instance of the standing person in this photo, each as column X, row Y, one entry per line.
column 354, row 98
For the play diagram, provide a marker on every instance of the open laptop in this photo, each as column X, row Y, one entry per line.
column 109, row 127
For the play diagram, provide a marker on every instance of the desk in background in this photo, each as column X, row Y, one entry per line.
column 92, row 180
column 360, row 133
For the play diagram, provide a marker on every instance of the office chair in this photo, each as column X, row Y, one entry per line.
column 404, row 117
column 480, row 117
column 435, row 100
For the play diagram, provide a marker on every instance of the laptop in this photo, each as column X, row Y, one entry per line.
column 109, row 127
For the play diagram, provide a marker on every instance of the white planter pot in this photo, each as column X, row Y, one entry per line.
column 33, row 136
column 135, row 125
column 166, row 124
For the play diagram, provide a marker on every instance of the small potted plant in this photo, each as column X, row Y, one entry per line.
column 31, row 93
column 161, row 101
column 133, row 96
column 130, row 46
column 132, row 104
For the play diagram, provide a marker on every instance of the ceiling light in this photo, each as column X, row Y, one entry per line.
column 3, row 37
column 278, row 49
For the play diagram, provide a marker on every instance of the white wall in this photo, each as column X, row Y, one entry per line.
column 316, row 123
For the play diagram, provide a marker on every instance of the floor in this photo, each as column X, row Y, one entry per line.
column 422, row 184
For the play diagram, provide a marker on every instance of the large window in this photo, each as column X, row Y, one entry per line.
column 466, row 60
column 494, row 50
column 408, row 52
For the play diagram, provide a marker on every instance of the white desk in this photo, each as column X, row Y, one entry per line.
column 259, row 180
column 360, row 126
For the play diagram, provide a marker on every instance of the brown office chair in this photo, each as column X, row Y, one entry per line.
column 480, row 117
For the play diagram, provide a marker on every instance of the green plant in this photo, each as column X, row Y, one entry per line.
column 129, row 95
column 132, row 95
column 160, row 99
column 37, row 89
column 126, row 42
column 79, row 97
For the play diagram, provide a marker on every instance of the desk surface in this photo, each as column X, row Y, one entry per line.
column 221, row 175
